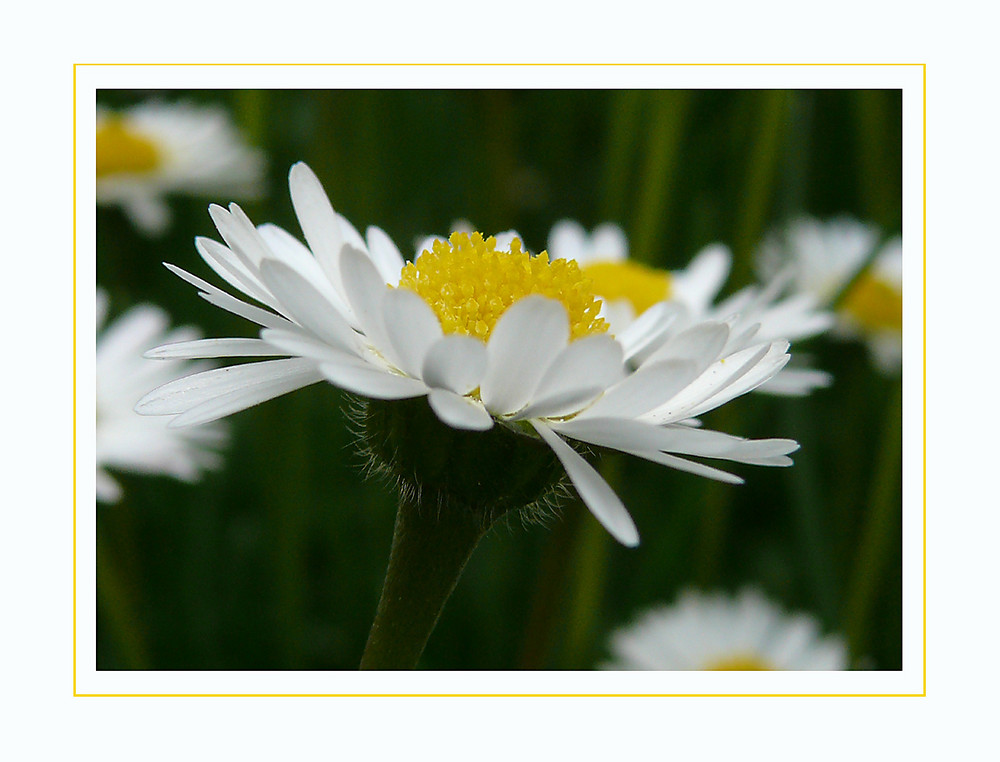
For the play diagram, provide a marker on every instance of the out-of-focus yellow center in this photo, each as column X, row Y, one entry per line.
column 642, row 286
column 121, row 151
column 469, row 285
column 740, row 663
column 875, row 304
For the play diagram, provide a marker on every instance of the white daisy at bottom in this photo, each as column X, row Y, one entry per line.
column 827, row 257
column 133, row 443
column 717, row 631
column 494, row 339
column 152, row 149
column 631, row 291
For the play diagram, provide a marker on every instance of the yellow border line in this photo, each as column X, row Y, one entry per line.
column 446, row 64
column 521, row 695
column 74, row 380
column 924, row 390
column 498, row 695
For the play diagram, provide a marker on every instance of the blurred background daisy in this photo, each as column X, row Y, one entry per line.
column 849, row 266
column 155, row 148
column 127, row 442
column 275, row 561
column 716, row 631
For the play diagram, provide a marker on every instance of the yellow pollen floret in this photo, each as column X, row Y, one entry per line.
column 642, row 286
column 744, row 663
column 469, row 285
column 119, row 150
column 875, row 304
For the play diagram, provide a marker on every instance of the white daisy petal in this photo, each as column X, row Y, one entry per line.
column 427, row 244
column 594, row 491
column 593, row 361
column 455, row 362
column 108, row 490
column 651, row 386
column 701, row 344
column 229, row 303
column 506, row 238
column 385, row 255
column 131, row 334
column 567, row 240
column 285, row 247
column 609, row 243
column 204, row 348
column 459, row 412
column 240, row 399
column 239, row 234
column 716, row 378
column 631, row 435
column 186, row 393
column 648, row 330
column 148, row 212
column 412, row 327
column 319, row 222
column 288, row 249
column 560, row 403
column 300, row 343
column 682, row 464
column 365, row 290
column 228, row 266
column 796, row 382
column 364, row 379
column 699, row 283
column 523, row 344
column 307, row 306
column 773, row 361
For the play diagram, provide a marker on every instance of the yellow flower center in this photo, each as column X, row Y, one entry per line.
column 121, row 151
column 875, row 304
column 642, row 286
column 469, row 285
column 740, row 663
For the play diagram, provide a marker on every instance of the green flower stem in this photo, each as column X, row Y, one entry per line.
column 764, row 157
column 430, row 548
column 666, row 135
column 881, row 524
column 588, row 581
column 809, row 513
column 115, row 601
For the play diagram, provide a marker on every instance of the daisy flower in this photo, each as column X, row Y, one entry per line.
column 507, row 348
column 630, row 290
column 721, row 632
column 827, row 257
column 129, row 442
column 150, row 150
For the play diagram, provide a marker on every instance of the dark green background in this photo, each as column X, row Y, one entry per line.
column 276, row 561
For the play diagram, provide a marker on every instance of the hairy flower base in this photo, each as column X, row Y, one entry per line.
column 489, row 472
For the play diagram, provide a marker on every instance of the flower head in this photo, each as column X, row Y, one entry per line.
column 720, row 632
column 630, row 290
column 150, row 150
column 129, row 442
column 505, row 348
column 828, row 257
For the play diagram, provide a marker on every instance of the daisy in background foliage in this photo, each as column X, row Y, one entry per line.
column 475, row 364
column 153, row 149
column 721, row 632
column 633, row 292
column 133, row 443
column 847, row 265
